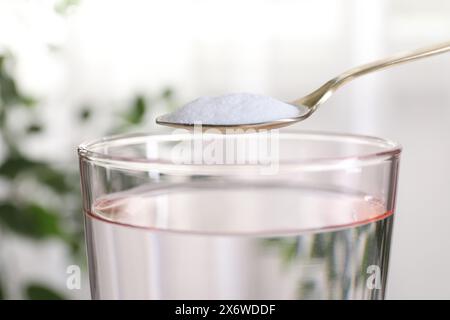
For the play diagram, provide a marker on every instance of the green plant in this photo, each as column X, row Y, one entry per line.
column 34, row 217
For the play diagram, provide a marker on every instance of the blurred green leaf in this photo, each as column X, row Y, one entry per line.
column 167, row 93
column 63, row 6
column 271, row 241
column 36, row 291
column 34, row 128
column 15, row 164
column 289, row 250
column 74, row 241
column 8, row 89
column 52, row 178
column 318, row 247
column 32, row 220
column 9, row 94
column 85, row 114
column 137, row 111
column 46, row 221
column 26, row 101
column 307, row 289
column 331, row 259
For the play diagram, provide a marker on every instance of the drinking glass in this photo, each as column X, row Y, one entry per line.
column 266, row 215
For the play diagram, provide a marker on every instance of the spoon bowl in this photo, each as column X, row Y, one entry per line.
column 268, row 125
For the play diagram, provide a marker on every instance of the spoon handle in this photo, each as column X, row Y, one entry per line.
column 314, row 99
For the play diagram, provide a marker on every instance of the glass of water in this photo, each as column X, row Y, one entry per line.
column 268, row 215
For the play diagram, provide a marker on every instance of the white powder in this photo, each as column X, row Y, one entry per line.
column 232, row 109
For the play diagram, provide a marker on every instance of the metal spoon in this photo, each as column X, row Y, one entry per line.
column 309, row 103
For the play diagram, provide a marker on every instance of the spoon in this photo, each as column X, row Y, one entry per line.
column 308, row 104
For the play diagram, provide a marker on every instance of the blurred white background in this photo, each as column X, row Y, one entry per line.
column 101, row 53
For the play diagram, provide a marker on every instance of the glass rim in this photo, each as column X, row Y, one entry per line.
column 387, row 149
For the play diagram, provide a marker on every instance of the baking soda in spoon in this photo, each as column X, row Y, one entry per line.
column 232, row 109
